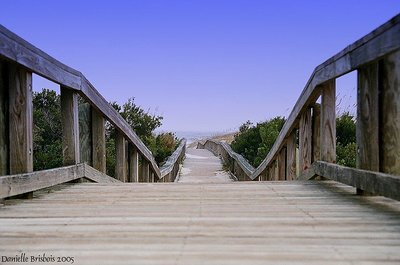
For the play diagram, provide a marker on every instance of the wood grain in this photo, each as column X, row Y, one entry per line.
column 291, row 156
column 328, row 121
column 316, row 132
column 70, row 126
column 120, row 160
column 305, row 140
column 98, row 141
column 390, row 114
column 145, row 171
column 4, row 124
column 85, row 133
column 133, row 164
column 282, row 164
column 20, row 120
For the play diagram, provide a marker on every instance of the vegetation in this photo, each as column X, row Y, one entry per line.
column 254, row 142
column 47, row 131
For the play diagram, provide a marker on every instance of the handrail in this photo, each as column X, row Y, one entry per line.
column 17, row 50
column 176, row 157
column 376, row 57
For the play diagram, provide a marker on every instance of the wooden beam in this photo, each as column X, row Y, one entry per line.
column 120, row 154
column 70, row 126
column 133, row 164
column 390, row 114
column 291, row 156
column 145, row 171
column 316, row 132
column 12, row 185
column 98, row 141
column 4, row 124
column 85, row 133
column 367, row 131
column 282, row 164
column 20, row 120
column 370, row 181
column 98, row 176
column 305, row 140
column 328, row 121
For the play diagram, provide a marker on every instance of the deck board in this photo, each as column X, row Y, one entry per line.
column 208, row 223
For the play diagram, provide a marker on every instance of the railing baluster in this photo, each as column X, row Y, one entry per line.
column 133, row 164
column 282, row 164
column 328, row 122
column 120, row 154
column 85, row 133
column 316, row 132
column 367, row 132
column 4, row 125
column 291, row 156
column 145, row 171
column 390, row 114
column 98, row 141
column 305, row 140
column 70, row 126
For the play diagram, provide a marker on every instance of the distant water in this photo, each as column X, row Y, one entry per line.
column 194, row 136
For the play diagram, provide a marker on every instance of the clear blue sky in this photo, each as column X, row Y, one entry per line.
column 203, row 65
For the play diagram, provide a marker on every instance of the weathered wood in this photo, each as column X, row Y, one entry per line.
column 390, row 114
column 145, row 171
column 98, row 141
column 282, row 164
column 291, row 156
column 305, row 140
column 120, row 154
column 370, row 181
column 328, row 121
column 12, row 185
column 316, row 132
column 367, row 132
column 70, row 126
column 20, row 120
column 85, row 133
column 173, row 159
column 98, row 176
column 133, row 164
column 4, row 124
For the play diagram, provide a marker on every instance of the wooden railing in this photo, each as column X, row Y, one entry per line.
column 18, row 60
column 312, row 126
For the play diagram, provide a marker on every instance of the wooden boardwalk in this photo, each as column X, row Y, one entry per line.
column 204, row 223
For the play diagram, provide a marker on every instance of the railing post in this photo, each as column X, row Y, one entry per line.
column 291, row 156
column 120, row 154
column 145, row 170
column 390, row 114
column 4, row 124
column 316, row 132
column 98, row 141
column 305, row 140
column 367, row 131
column 70, row 126
column 328, row 122
column 282, row 164
column 85, row 133
column 133, row 164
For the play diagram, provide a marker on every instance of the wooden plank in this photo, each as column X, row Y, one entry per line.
column 316, row 132
column 120, row 154
column 305, row 140
column 370, row 181
column 390, row 114
column 291, row 156
column 20, row 120
column 12, row 185
column 98, row 176
column 133, row 164
column 175, row 158
column 282, row 164
column 85, row 133
column 145, row 171
column 98, row 141
column 367, row 132
column 70, row 126
column 328, row 122
column 4, row 124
